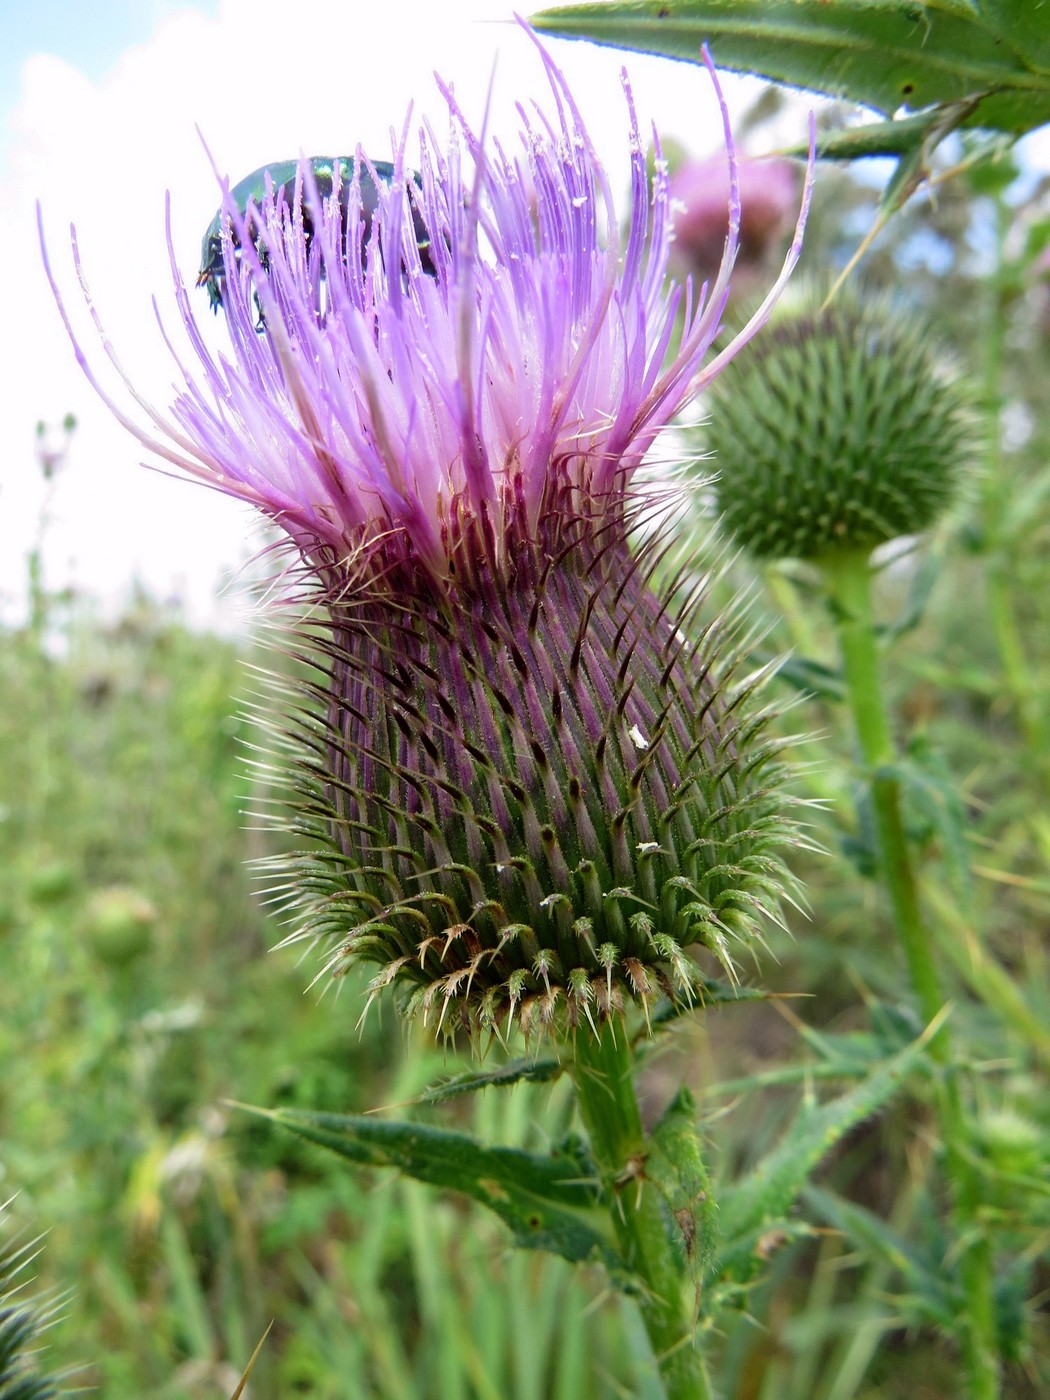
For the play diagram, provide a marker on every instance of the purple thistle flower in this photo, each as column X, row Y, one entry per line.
column 529, row 792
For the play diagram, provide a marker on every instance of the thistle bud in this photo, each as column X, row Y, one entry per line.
column 841, row 431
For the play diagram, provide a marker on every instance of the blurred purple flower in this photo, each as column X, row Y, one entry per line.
column 698, row 195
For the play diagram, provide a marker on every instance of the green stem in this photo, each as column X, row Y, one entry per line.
column 603, row 1077
column 1000, row 571
column 848, row 579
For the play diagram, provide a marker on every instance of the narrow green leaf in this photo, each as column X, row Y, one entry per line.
column 931, row 1293
column 552, row 1203
column 757, row 1207
column 885, row 54
column 186, row 1287
column 536, row 1071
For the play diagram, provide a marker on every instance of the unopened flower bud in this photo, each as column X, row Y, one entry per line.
column 842, row 429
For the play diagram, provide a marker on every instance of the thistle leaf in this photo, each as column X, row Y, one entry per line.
column 902, row 137
column 754, row 1211
column 536, row 1071
column 548, row 1202
column 988, row 58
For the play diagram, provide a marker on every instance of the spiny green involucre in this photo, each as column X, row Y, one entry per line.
column 841, row 430
column 532, row 799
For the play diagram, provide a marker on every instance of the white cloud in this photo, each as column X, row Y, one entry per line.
column 260, row 88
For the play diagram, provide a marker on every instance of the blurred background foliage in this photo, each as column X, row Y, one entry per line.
column 138, row 995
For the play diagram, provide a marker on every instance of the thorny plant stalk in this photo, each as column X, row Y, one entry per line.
column 1000, row 575
column 603, row 1075
column 847, row 576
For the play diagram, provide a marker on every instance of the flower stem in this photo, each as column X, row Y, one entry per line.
column 603, row 1077
column 996, row 498
column 847, row 577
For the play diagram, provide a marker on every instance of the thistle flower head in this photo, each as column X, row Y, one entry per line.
column 843, row 431
column 527, row 793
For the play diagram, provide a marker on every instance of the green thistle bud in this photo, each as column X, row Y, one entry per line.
column 839, row 431
column 119, row 925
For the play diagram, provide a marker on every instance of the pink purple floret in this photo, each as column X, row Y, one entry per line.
column 536, row 358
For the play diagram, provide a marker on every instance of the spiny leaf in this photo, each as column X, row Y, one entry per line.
column 536, row 1071
column 901, row 137
column 553, row 1203
column 758, row 1205
column 885, row 54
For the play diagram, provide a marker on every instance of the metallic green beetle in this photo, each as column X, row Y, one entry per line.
column 283, row 175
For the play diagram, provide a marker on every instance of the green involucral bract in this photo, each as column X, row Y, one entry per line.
column 529, row 803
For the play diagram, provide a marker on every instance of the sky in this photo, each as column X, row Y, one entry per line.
column 105, row 107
